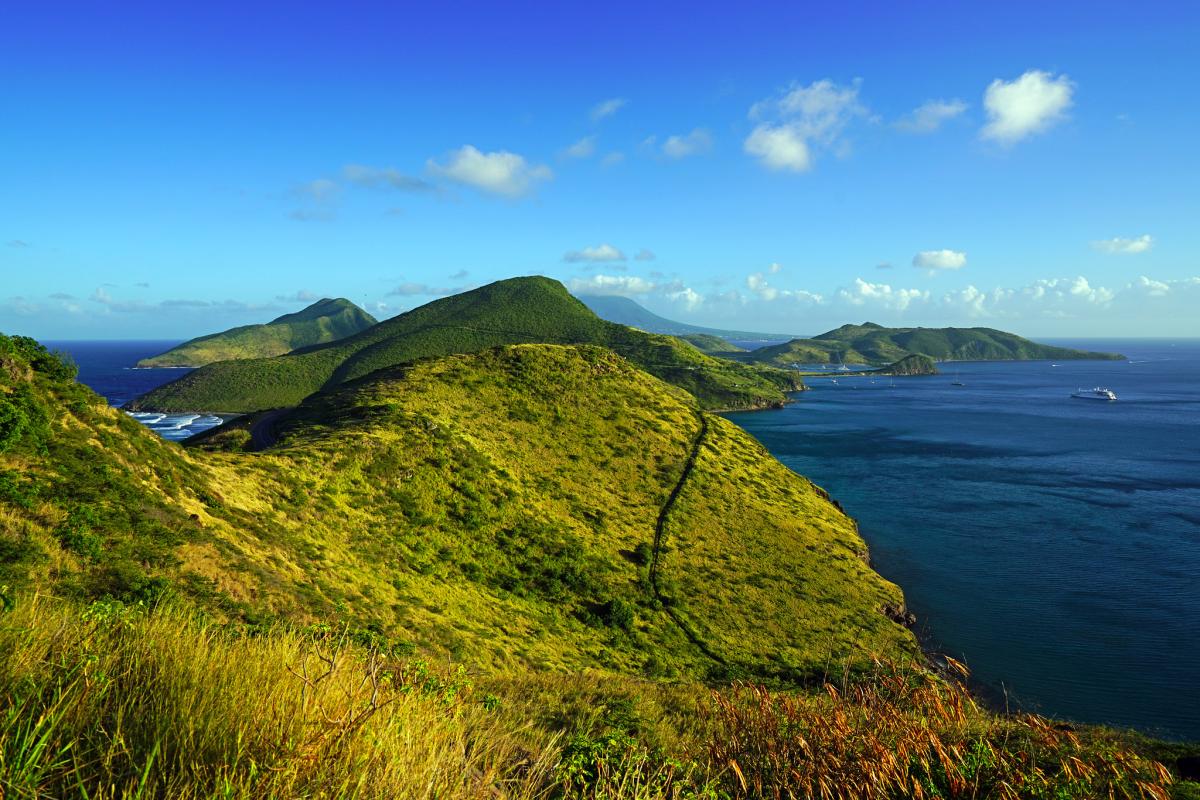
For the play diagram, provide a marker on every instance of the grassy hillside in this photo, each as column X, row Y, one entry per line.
column 713, row 345
column 324, row 321
column 503, row 508
column 467, row 577
column 873, row 344
column 520, row 310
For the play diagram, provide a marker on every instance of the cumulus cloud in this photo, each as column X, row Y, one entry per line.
column 299, row 296
column 613, row 284
column 1120, row 246
column 940, row 259
column 879, row 295
column 644, row 255
column 385, row 178
column 499, row 172
column 584, row 148
column 1032, row 103
column 929, row 116
column 801, row 120
column 607, row 108
column 599, row 253
column 697, row 142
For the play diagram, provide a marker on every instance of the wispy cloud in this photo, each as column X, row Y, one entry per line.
column 385, row 178
column 584, row 148
column 1030, row 104
column 698, row 142
column 644, row 255
column 413, row 289
column 929, row 116
column 499, row 172
column 17, row 243
column 607, row 108
column 299, row 296
column 599, row 253
column 1121, row 246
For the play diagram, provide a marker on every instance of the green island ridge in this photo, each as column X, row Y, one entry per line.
column 529, row 571
column 874, row 344
column 324, row 321
column 514, row 311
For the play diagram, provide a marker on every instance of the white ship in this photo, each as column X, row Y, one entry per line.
column 1095, row 394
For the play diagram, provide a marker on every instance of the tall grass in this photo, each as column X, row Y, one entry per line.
column 114, row 701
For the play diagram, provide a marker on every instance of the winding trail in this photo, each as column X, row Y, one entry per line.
column 660, row 534
column 262, row 432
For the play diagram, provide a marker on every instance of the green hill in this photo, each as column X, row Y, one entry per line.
column 519, row 310
column 874, row 344
column 496, row 574
column 323, row 321
column 539, row 506
column 713, row 345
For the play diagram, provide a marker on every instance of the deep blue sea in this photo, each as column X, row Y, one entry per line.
column 107, row 367
column 1051, row 543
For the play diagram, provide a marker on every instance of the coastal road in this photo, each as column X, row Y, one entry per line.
column 262, row 432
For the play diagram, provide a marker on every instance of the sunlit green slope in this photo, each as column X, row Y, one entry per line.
column 324, row 321
column 513, row 311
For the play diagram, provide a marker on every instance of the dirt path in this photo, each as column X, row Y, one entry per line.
column 660, row 534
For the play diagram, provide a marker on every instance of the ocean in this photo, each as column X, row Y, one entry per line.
column 1053, row 544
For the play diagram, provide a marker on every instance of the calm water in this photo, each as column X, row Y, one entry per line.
column 106, row 366
column 1051, row 543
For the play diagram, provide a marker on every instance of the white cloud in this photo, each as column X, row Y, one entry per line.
column 695, row 143
column 1030, row 104
column 774, row 268
column 584, row 148
column 599, row 253
column 779, row 147
column 644, row 255
column 612, row 159
column 801, row 120
column 879, row 295
column 687, row 297
column 499, row 172
column 412, row 289
column 612, row 284
column 929, row 116
column 940, row 259
column 607, row 108
column 385, row 178
column 1122, row 246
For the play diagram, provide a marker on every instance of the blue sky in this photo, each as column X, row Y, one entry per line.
column 169, row 171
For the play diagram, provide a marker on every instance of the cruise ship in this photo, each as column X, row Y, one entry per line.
column 1095, row 394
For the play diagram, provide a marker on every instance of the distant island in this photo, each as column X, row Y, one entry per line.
column 876, row 345
column 624, row 311
column 324, row 321
column 515, row 311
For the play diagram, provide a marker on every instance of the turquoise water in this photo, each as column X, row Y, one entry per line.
column 1051, row 543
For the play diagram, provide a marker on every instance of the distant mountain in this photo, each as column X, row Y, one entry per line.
column 515, row 311
column 624, row 311
column 874, row 344
column 713, row 345
column 324, row 321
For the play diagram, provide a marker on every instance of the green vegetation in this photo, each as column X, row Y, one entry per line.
column 873, row 344
column 713, row 345
column 911, row 365
column 323, row 321
column 113, row 701
column 520, row 310
column 578, row 543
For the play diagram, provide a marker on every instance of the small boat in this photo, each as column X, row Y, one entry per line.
column 1097, row 393
column 958, row 383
